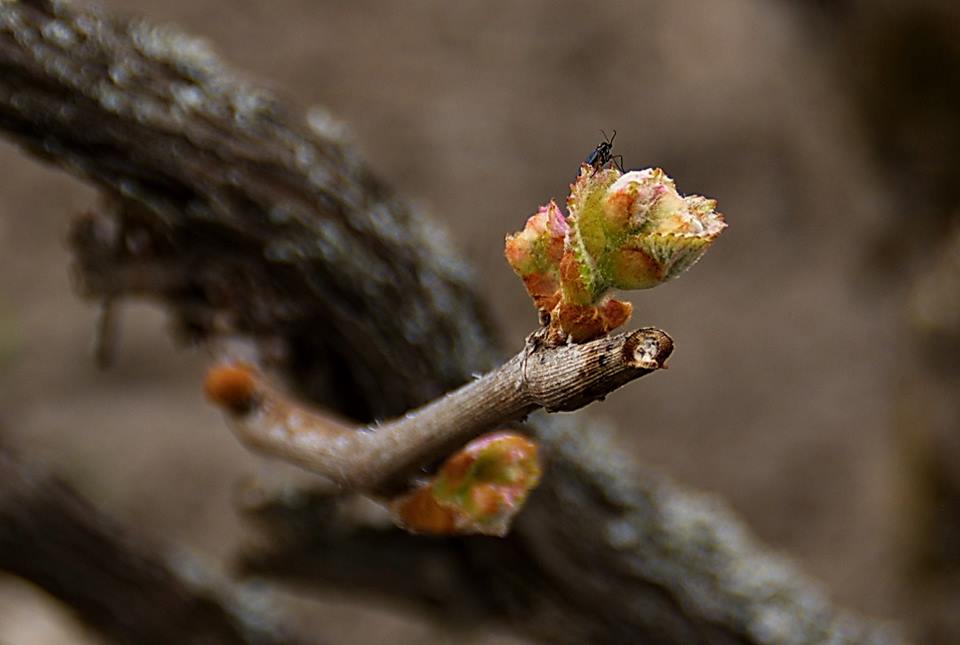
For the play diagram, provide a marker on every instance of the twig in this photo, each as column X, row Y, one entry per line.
column 560, row 378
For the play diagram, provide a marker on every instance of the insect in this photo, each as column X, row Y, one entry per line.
column 602, row 154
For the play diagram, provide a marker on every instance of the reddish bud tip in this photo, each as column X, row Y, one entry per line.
column 232, row 386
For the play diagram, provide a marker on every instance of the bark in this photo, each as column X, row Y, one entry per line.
column 117, row 582
column 241, row 217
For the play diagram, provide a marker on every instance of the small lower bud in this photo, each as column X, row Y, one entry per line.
column 479, row 489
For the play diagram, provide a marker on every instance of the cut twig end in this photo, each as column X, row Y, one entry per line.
column 648, row 349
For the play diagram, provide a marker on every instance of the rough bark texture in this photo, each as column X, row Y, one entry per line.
column 243, row 218
column 119, row 583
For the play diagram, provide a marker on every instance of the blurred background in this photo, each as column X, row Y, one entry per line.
column 816, row 380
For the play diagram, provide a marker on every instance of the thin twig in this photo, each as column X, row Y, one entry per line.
column 564, row 378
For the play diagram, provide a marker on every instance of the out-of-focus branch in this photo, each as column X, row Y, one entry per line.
column 240, row 217
column 560, row 378
column 602, row 553
column 114, row 580
column 235, row 212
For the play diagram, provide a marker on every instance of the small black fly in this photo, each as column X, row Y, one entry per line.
column 602, row 154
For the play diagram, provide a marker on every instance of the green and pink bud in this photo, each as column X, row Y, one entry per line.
column 535, row 253
column 479, row 489
column 624, row 231
column 664, row 233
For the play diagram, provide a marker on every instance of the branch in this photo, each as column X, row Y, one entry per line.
column 555, row 378
column 236, row 213
column 113, row 579
column 602, row 553
column 247, row 220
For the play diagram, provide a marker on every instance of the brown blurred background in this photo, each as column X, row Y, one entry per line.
column 815, row 384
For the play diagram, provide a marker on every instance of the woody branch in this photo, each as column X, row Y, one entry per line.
column 562, row 378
